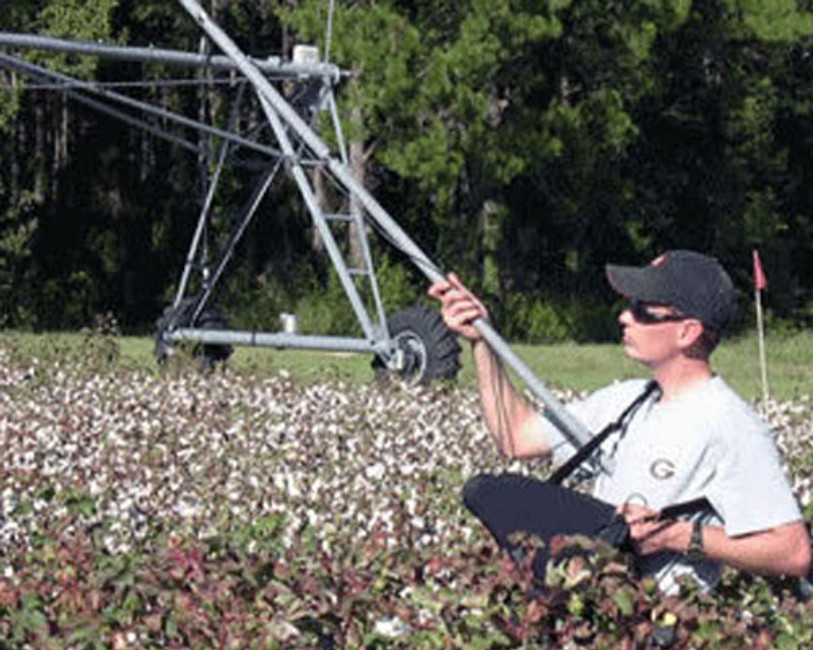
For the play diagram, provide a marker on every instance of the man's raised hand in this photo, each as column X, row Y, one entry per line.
column 459, row 306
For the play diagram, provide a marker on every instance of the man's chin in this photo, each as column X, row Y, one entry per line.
column 632, row 353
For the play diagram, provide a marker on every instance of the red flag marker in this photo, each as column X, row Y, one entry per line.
column 760, row 281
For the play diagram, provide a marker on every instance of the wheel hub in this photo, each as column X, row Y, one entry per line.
column 415, row 356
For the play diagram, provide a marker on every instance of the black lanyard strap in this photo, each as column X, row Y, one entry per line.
column 567, row 468
column 685, row 508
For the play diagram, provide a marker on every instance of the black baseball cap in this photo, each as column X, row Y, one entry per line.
column 695, row 284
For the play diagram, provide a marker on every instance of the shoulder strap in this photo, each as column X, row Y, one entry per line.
column 567, row 468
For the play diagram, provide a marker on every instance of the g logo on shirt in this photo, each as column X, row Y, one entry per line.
column 662, row 469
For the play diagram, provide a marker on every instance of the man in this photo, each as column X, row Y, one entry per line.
column 690, row 440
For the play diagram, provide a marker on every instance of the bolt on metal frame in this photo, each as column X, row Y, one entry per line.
column 299, row 146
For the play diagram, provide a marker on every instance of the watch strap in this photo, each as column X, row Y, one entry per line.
column 695, row 550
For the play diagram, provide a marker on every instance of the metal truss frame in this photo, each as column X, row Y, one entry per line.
column 298, row 147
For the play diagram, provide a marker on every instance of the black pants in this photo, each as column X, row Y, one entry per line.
column 509, row 503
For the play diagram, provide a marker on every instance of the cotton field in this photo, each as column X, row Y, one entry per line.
column 194, row 454
column 133, row 456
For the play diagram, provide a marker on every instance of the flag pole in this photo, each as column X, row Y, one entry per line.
column 761, row 336
column 760, row 283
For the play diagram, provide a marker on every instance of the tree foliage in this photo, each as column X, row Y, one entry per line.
column 522, row 142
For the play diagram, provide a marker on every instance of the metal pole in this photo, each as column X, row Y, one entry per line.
column 35, row 70
column 763, row 366
column 273, row 66
column 204, row 215
column 273, row 340
column 319, row 220
column 572, row 428
column 329, row 30
column 99, row 106
column 337, row 126
column 199, row 231
column 254, row 203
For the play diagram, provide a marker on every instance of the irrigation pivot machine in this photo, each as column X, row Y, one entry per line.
column 413, row 343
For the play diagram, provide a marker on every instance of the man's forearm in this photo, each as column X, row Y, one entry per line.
column 781, row 550
column 509, row 417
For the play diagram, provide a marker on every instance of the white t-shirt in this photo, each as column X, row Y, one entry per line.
column 708, row 443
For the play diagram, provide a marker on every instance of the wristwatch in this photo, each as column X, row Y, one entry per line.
column 695, row 550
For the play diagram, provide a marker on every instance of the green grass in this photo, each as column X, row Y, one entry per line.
column 580, row 367
column 587, row 367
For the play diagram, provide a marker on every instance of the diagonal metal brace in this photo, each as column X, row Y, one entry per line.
column 576, row 433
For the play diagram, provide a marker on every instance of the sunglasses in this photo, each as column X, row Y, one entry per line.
column 640, row 311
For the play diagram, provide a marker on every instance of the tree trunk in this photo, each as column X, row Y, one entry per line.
column 145, row 162
column 16, row 131
column 318, row 180
column 60, row 143
column 492, row 216
column 40, row 153
column 358, row 166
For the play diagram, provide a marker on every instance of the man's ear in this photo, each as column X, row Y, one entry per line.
column 690, row 332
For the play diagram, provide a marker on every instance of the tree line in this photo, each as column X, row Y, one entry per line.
column 523, row 143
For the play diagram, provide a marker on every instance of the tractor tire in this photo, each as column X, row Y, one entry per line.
column 207, row 355
column 431, row 349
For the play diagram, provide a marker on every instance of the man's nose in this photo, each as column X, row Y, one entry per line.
column 625, row 317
